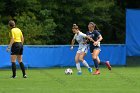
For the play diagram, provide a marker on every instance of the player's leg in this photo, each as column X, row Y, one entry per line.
column 13, row 61
column 81, row 59
column 107, row 63
column 98, row 59
column 95, row 54
column 77, row 63
column 20, row 61
column 19, row 57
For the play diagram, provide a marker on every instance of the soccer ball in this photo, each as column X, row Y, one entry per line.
column 68, row 71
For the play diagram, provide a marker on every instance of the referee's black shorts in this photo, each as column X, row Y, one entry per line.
column 17, row 48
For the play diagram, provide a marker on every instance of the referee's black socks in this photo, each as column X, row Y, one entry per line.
column 22, row 68
column 14, row 69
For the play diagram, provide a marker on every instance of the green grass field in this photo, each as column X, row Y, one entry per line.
column 53, row 80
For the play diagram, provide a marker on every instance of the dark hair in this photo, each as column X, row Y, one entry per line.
column 96, row 28
column 11, row 23
column 75, row 26
column 92, row 23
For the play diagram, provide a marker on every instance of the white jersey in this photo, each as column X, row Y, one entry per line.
column 80, row 38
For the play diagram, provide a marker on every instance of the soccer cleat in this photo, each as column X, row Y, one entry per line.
column 25, row 76
column 90, row 70
column 108, row 65
column 79, row 73
column 97, row 72
column 13, row 76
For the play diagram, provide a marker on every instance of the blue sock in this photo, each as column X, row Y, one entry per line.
column 96, row 64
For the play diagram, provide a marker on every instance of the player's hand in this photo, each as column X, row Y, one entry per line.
column 90, row 39
column 71, row 48
column 84, row 43
column 95, row 43
column 8, row 49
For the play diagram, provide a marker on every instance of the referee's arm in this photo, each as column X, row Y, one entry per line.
column 22, row 39
column 11, row 42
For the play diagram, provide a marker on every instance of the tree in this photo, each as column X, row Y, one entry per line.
column 81, row 12
column 50, row 21
column 35, row 22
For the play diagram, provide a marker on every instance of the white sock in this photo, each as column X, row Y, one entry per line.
column 85, row 64
column 78, row 66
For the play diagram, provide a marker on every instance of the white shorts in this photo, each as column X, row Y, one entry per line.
column 83, row 49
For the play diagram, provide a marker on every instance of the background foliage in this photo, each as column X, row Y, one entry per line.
column 50, row 21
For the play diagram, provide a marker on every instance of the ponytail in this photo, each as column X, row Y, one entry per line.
column 96, row 27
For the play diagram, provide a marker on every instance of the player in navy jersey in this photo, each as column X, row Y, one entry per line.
column 95, row 47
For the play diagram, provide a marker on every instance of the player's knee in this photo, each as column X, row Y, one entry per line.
column 81, row 59
column 94, row 57
column 13, row 58
column 76, row 60
column 19, row 59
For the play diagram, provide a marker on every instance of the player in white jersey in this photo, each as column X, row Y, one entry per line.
column 82, row 50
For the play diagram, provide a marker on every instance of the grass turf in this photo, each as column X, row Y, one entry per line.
column 53, row 80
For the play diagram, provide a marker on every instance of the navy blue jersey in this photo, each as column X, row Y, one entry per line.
column 94, row 35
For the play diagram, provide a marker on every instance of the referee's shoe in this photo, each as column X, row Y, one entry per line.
column 25, row 76
column 13, row 76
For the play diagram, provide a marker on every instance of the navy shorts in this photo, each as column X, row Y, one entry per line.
column 94, row 48
column 17, row 48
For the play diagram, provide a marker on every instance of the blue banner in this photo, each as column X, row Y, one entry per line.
column 61, row 55
column 132, row 32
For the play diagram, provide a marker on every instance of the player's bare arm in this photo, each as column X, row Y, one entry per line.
column 10, row 44
column 88, row 37
column 72, row 43
column 22, row 39
column 100, row 38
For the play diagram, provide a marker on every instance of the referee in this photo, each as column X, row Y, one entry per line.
column 16, row 46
